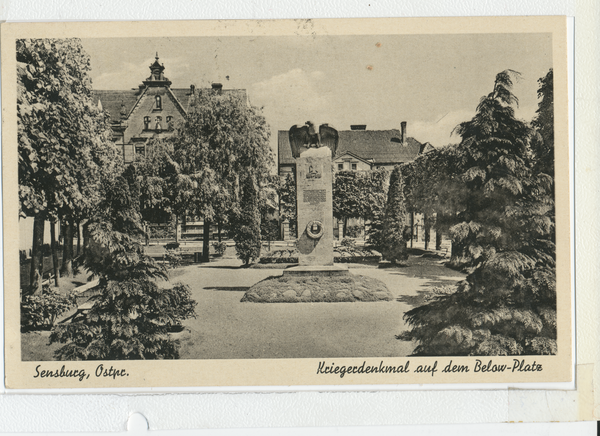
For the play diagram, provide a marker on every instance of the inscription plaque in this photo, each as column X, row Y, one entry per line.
column 314, row 196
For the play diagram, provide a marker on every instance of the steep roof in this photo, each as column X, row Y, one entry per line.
column 112, row 99
column 352, row 155
column 383, row 146
column 183, row 94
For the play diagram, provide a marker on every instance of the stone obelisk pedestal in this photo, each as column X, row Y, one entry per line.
column 315, row 214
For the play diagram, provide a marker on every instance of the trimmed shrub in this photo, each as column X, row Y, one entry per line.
column 353, row 231
column 348, row 242
column 220, row 248
column 173, row 257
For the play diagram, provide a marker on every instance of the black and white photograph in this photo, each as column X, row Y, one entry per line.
column 301, row 203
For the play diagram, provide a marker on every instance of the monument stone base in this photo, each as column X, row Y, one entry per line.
column 317, row 270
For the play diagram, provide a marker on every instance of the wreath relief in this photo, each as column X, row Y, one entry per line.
column 314, row 229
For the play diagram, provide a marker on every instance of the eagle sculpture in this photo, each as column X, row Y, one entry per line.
column 307, row 136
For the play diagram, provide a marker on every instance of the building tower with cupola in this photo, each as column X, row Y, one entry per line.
column 151, row 110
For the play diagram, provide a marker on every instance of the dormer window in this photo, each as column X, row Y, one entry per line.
column 158, row 122
column 158, row 102
column 170, row 122
column 146, row 123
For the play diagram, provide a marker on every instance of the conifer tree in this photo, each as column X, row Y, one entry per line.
column 245, row 224
column 132, row 315
column 287, row 203
column 507, row 304
column 394, row 222
column 544, row 124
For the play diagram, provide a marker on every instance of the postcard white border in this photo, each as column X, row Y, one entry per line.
column 585, row 12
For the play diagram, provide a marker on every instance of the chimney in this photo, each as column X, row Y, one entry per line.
column 403, row 136
column 192, row 89
column 217, row 87
column 358, row 127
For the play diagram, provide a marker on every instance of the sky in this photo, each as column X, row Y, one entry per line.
column 433, row 82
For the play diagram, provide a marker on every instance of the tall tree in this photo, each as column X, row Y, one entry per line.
column 394, row 221
column 544, row 124
column 245, row 223
column 222, row 142
column 288, row 207
column 507, row 304
column 269, row 225
column 359, row 194
column 433, row 187
column 63, row 139
column 159, row 178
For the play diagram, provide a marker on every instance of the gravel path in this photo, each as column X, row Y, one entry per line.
column 225, row 328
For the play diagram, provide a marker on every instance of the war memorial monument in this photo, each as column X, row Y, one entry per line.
column 316, row 278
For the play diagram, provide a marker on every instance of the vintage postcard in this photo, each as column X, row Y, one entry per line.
column 286, row 203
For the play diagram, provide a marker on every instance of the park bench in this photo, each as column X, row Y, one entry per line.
column 82, row 298
column 48, row 280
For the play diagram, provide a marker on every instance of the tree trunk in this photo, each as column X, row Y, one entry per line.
column 54, row 248
column 438, row 239
column 177, row 228
column 457, row 256
column 427, row 229
column 37, row 256
column 67, row 260
column 78, row 228
column 412, row 228
column 205, row 241
column 219, row 228
column 86, row 237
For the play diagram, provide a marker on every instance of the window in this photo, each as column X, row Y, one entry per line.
column 158, row 121
column 340, row 167
column 353, row 167
column 146, row 123
column 140, row 150
column 170, row 122
column 158, row 102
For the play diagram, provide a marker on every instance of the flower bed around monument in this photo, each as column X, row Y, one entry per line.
column 350, row 254
column 317, row 289
column 341, row 254
column 280, row 256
